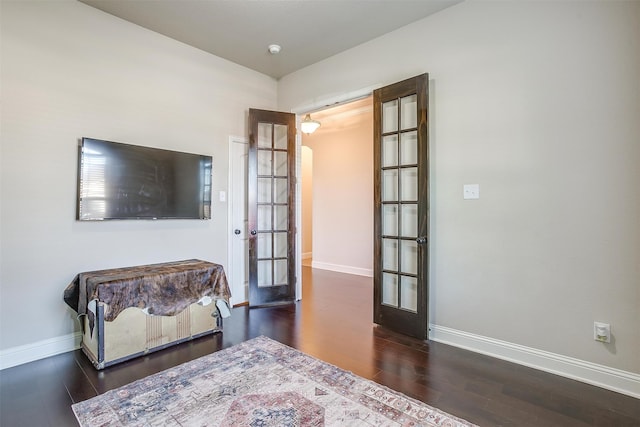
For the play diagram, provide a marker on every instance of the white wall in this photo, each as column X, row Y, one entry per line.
column 307, row 201
column 68, row 71
column 538, row 102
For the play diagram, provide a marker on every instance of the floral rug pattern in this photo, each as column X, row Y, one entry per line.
column 258, row 383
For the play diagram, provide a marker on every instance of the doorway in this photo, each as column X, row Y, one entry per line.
column 338, row 202
column 400, row 196
column 336, row 215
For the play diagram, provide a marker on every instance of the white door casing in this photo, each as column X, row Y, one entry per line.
column 238, row 271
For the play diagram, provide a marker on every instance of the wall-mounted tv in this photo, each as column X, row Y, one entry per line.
column 123, row 181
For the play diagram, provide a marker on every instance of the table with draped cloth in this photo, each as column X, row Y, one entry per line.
column 163, row 289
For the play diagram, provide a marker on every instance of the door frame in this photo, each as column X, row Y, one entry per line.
column 233, row 139
column 300, row 112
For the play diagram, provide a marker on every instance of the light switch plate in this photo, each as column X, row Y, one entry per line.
column 471, row 191
column 223, row 196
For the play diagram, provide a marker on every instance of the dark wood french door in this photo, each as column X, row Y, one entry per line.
column 271, row 207
column 401, row 201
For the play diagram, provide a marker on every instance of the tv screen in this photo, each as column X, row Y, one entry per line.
column 122, row 181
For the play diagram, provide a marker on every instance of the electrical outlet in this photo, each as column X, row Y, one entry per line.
column 601, row 332
column 471, row 191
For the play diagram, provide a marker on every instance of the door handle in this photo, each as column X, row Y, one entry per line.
column 253, row 232
column 236, row 231
column 421, row 240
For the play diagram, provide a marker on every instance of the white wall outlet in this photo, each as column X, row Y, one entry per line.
column 471, row 191
column 601, row 332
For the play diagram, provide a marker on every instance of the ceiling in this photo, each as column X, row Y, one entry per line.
column 342, row 117
column 241, row 30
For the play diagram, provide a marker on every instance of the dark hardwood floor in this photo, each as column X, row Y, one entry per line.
column 333, row 323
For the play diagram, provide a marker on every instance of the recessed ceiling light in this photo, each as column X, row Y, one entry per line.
column 274, row 49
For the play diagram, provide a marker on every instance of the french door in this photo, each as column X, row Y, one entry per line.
column 271, row 207
column 401, row 203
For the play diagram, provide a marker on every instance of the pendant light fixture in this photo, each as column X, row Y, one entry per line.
column 308, row 125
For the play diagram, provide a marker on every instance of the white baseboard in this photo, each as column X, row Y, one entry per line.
column 307, row 255
column 342, row 268
column 591, row 373
column 39, row 350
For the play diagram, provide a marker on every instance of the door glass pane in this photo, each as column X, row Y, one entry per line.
column 264, row 273
column 409, row 256
column 280, row 216
column 280, row 189
column 390, row 254
column 264, row 135
column 279, row 245
column 409, row 220
column 264, row 245
column 390, row 289
column 280, row 132
column 390, row 220
column 280, row 272
column 390, row 116
column 408, row 112
column 264, row 217
column 264, row 190
column 409, row 184
column 390, row 150
column 409, row 293
column 409, row 148
column 390, row 185
column 264, row 162
column 280, row 163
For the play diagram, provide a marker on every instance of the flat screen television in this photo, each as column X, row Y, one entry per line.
column 123, row 181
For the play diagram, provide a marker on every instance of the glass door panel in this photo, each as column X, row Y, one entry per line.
column 280, row 160
column 264, row 135
column 390, row 185
column 409, row 184
column 280, row 217
column 390, row 116
column 409, row 256
column 409, row 220
column 409, row 293
column 280, row 272
column 390, row 220
column 264, row 273
column 409, row 148
column 390, row 289
column 264, row 190
column 264, row 245
column 264, row 218
column 280, row 245
column 280, row 133
column 264, row 162
column 390, row 150
column 390, row 254
column 409, row 112
column 281, row 190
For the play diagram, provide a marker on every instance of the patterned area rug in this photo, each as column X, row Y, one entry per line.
column 257, row 383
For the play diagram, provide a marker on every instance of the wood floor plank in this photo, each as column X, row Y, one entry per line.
column 333, row 323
